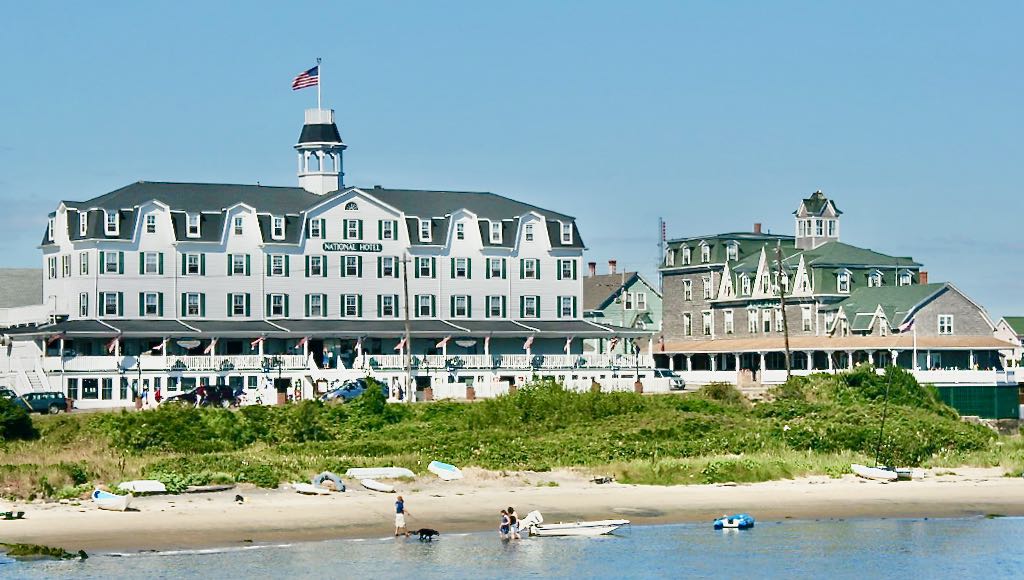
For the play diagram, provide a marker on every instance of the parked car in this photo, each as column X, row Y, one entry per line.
column 676, row 382
column 211, row 396
column 349, row 390
column 47, row 402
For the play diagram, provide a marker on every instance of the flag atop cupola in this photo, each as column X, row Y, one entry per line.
column 320, row 153
column 817, row 221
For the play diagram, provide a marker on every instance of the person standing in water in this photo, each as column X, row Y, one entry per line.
column 503, row 528
column 513, row 523
column 400, row 517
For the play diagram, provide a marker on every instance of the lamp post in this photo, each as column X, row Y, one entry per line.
column 637, row 386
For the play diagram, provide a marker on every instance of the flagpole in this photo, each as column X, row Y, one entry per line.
column 319, row 81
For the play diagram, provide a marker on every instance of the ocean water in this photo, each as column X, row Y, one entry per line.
column 917, row 549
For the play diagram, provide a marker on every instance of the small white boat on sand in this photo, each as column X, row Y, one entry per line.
column 445, row 471
column 111, row 501
column 309, row 489
column 534, row 524
column 876, row 473
column 142, row 486
column 374, row 485
column 379, row 473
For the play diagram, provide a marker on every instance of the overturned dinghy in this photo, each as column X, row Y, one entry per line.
column 534, row 524
column 374, row 485
column 379, row 473
column 735, row 522
column 143, row 486
column 445, row 471
column 309, row 489
column 318, row 480
column 876, row 473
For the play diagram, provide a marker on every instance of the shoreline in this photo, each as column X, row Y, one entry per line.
column 194, row 521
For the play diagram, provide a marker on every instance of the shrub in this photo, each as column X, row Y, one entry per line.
column 15, row 422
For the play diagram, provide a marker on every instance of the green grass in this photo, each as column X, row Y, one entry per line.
column 815, row 425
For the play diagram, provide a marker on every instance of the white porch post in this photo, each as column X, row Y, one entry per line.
column 259, row 347
column 810, row 360
column 831, row 367
column 671, row 362
column 305, row 350
column 714, row 362
column 970, row 354
column 736, row 359
column 871, row 357
column 62, row 348
column 762, row 364
column 487, row 347
column 895, row 354
column 928, row 359
column 849, row 360
column 689, row 362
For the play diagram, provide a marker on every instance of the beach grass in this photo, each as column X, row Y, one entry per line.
column 815, row 425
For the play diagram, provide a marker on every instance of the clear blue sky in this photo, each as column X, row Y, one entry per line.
column 713, row 115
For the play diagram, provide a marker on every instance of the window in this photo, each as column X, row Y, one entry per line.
column 883, row 328
column 193, row 264
column 388, row 305
column 315, row 231
column 460, row 231
column 424, row 267
column 351, row 206
column 83, row 263
column 830, row 317
column 277, row 305
column 945, row 324
column 670, row 258
column 706, row 323
column 387, row 230
column 49, row 229
column 641, row 301
column 316, row 305
column 875, row 279
column 239, row 265
column 107, row 389
column 528, row 232
column 745, row 284
column 766, row 321
column 566, row 233
column 277, row 228
column 495, row 268
column 110, row 224
column 687, row 289
column 752, row 321
column 193, row 225
column 805, row 318
column 531, row 307
column 732, row 252
column 495, row 232
column 352, row 264
column 238, row 304
column 110, row 303
column 529, row 269
column 708, row 290
column 843, row 282
column 65, row 265
column 819, row 228
column 779, row 320
column 460, row 306
column 350, row 305
column 193, row 304
column 566, row 270
column 83, row 304
column 150, row 263
column 72, row 388
column 705, row 253
column 425, row 234
column 629, row 298
column 353, row 229
column 687, row 324
column 316, row 266
column 277, row 265
column 566, row 307
column 150, row 224
column 150, row 304
column 460, row 267
column 785, row 283
column 424, row 305
column 687, row 256
column 831, row 228
column 495, row 306
column 83, row 224
column 905, row 279
column 728, row 322
column 238, row 226
column 111, row 262
column 387, row 267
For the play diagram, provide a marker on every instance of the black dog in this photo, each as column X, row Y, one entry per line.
column 426, row 534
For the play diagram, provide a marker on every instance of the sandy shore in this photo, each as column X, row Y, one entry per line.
column 208, row 520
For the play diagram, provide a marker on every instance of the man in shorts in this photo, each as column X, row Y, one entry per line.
column 400, row 517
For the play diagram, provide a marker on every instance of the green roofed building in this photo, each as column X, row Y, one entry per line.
column 1011, row 329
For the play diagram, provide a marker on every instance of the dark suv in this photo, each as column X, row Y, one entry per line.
column 49, row 402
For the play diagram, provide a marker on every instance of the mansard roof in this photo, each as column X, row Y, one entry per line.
column 840, row 254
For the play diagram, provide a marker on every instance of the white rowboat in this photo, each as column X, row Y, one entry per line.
column 111, row 501
column 876, row 473
column 374, row 485
column 143, row 486
column 445, row 471
column 310, row 489
column 378, row 473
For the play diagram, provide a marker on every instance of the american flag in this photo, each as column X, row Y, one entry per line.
column 443, row 343
column 309, row 78
column 209, row 349
column 528, row 343
column 400, row 345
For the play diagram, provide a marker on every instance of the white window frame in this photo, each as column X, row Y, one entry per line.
column 530, row 268
column 641, row 301
column 150, row 224
column 193, row 225
column 946, row 325
column 350, row 305
column 530, row 305
column 237, row 304
column 819, row 228
column 189, row 263
column 111, row 227
column 528, row 232
column 316, row 265
column 494, row 306
column 276, row 265
column 314, row 229
column 424, row 306
column 238, row 264
column 83, row 263
column 753, row 324
column 687, row 256
column 728, row 322
column 906, row 279
column 239, row 225
column 745, row 284
column 276, row 305
column 806, row 318
column 707, row 323
column 566, row 267
column 146, row 304
column 107, row 303
column 566, row 230
column 65, row 265
column 494, row 266
column 843, row 282
column 779, row 320
column 83, row 304
column 670, row 258
column 426, row 267
column 463, row 310
column 425, row 231
column 387, row 230
column 461, row 265
column 460, row 231
column 495, row 232
column 832, row 228
column 628, row 303
column 316, row 306
column 707, row 283
column 565, row 306
column 387, row 267
column 388, row 302
column 732, row 252
column 277, row 225
column 688, row 290
column 687, row 324
column 193, row 305
column 351, row 265
column 705, row 253
column 148, row 267
column 83, row 224
column 111, row 266
column 875, row 279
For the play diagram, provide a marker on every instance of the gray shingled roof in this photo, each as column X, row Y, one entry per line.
column 599, row 289
column 20, row 287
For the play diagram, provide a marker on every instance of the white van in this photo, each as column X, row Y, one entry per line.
column 676, row 382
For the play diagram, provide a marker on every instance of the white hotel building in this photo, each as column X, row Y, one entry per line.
column 307, row 285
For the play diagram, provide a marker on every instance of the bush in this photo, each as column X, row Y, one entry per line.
column 15, row 422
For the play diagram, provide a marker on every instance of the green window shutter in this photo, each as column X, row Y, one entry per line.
column 287, row 265
column 120, row 303
column 323, row 229
column 323, row 266
column 416, row 270
column 120, row 262
column 359, row 223
column 558, row 267
column 522, row 307
column 142, row 303
column 202, row 264
column 266, row 309
column 160, row 263
column 248, row 265
column 487, row 306
column 359, row 305
column 451, row 309
column 504, row 303
column 307, row 305
column 574, row 307
column 307, row 267
column 344, row 229
column 380, row 305
column 342, row 300
column 183, row 304
column 202, row 305
column 160, row 304
column 522, row 268
column 487, row 270
column 359, row 263
column 344, row 265
column 469, row 268
column 323, row 305
column 453, row 268
column 380, row 233
column 394, row 229
column 380, row 267
column 268, row 260
column 536, row 268
column 286, row 298
column 433, row 267
column 433, row 305
column 230, row 263
column 103, row 257
column 398, row 264
column 247, row 311
column 229, row 306
column 575, row 276
column 142, row 262
column 469, row 306
column 504, row 274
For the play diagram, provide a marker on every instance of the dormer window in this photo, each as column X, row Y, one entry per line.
column 425, row 231
column 314, row 229
column 875, row 279
column 566, row 233
column 745, row 284
column 238, row 226
column 843, row 282
column 832, row 228
column 460, row 231
column 49, row 229
column 150, row 224
column 906, row 279
column 819, row 228
column 495, row 232
column 670, row 258
column 277, row 228
column 705, row 253
column 528, row 232
column 111, row 226
column 687, row 256
column 83, row 224
column 732, row 251
column 193, row 225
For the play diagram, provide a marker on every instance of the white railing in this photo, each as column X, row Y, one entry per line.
column 35, row 314
column 707, row 377
column 507, row 361
column 965, row 377
column 161, row 363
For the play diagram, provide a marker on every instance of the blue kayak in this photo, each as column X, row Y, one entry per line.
column 735, row 522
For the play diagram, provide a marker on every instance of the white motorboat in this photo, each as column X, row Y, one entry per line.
column 534, row 524
column 374, row 485
column 876, row 473
column 111, row 501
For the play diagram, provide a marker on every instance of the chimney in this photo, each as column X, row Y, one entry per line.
column 593, row 268
column 611, row 266
column 922, row 277
column 757, row 227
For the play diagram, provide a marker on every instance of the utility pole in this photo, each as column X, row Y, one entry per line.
column 782, row 301
column 410, row 392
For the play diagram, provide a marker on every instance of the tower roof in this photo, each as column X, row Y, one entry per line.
column 319, row 127
column 816, row 204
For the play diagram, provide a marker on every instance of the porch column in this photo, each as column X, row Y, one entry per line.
column 487, row 346
column 714, row 362
column 849, row 360
column 762, row 366
column 810, row 360
column 61, row 345
column 305, row 350
column 928, row 360
column 736, row 356
column 259, row 347
column 973, row 363
column 689, row 362
column 671, row 362
column 831, row 366
column 871, row 357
